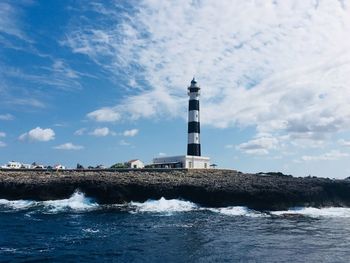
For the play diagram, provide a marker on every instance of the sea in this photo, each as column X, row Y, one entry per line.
column 78, row 229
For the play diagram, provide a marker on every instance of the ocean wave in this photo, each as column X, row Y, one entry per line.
column 77, row 202
column 315, row 212
column 90, row 230
column 238, row 211
column 175, row 205
column 163, row 206
column 7, row 249
column 17, row 204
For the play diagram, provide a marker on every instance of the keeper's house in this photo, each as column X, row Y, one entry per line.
column 182, row 161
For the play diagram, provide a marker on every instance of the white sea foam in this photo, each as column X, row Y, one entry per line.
column 163, row 206
column 8, row 249
column 90, row 230
column 17, row 204
column 78, row 201
column 316, row 212
column 237, row 211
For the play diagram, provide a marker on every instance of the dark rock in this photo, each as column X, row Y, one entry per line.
column 214, row 188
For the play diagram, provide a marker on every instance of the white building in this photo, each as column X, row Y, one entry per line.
column 135, row 164
column 12, row 165
column 26, row 166
column 59, row 167
column 182, row 161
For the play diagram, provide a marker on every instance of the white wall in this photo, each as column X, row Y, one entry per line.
column 137, row 163
column 169, row 159
column 197, row 161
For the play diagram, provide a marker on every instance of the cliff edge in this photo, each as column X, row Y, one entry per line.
column 212, row 188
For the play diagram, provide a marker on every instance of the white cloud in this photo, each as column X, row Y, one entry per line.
column 80, row 132
column 258, row 146
column 123, row 143
column 284, row 69
column 130, row 133
column 58, row 75
column 100, row 132
column 10, row 21
column 6, row 117
column 60, row 125
column 2, row 144
column 330, row 156
column 162, row 154
column 62, row 69
column 344, row 143
column 27, row 102
column 104, row 115
column 2, row 134
column 38, row 134
column 69, row 146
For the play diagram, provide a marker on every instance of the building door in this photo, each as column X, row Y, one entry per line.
column 189, row 164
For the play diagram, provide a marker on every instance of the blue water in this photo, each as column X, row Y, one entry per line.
column 78, row 229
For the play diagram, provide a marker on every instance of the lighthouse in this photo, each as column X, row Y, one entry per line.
column 193, row 145
column 193, row 158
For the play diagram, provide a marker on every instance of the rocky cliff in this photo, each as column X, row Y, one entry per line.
column 214, row 188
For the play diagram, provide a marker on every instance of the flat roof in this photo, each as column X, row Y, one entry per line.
column 165, row 163
column 181, row 156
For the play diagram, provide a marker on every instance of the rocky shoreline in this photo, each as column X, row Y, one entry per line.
column 211, row 188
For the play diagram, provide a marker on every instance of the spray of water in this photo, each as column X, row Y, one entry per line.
column 78, row 202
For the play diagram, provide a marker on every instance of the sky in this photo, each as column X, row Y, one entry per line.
column 101, row 82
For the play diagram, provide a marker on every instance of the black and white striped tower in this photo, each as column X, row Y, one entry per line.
column 193, row 146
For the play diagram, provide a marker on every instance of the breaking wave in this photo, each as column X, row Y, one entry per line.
column 163, row 206
column 77, row 202
column 238, row 211
column 315, row 212
column 17, row 204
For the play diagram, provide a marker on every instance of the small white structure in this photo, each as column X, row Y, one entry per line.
column 38, row 166
column 182, row 161
column 135, row 164
column 12, row 165
column 26, row 166
column 59, row 167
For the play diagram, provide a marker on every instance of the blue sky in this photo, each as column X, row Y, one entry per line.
column 100, row 82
